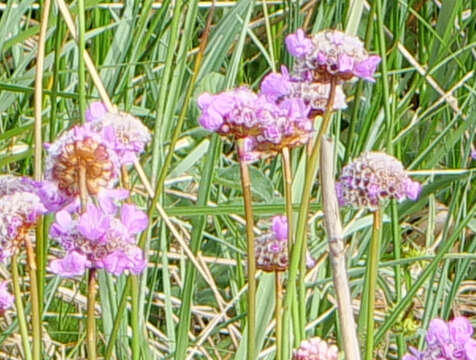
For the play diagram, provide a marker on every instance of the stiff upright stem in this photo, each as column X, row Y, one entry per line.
column 91, row 338
column 279, row 324
column 20, row 310
column 35, row 305
column 246, row 185
column 288, row 183
column 296, row 256
column 372, row 272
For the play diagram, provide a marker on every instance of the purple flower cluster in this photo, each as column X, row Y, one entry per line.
column 19, row 212
column 272, row 249
column 279, row 86
column 6, row 299
column 316, row 349
column 447, row 341
column 266, row 125
column 374, row 177
column 103, row 237
column 328, row 54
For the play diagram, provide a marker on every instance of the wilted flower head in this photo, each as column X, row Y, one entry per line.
column 19, row 212
column 6, row 299
column 374, row 177
column 447, row 341
column 280, row 86
column 331, row 53
column 99, row 239
column 315, row 349
column 272, row 248
column 81, row 147
column 127, row 135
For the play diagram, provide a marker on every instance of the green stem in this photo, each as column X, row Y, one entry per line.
column 296, row 256
column 117, row 321
column 288, row 194
column 91, row 336
column 135, row 318
column 81, row 66
column 35, row 305
column 246, row 185
column 372, row 262
column 279, row 319
column 20, row 311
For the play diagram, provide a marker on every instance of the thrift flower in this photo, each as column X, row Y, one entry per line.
column 447, row 341
column 473, row 154
column 81, row 147
column 266, row 125
column 315, row 349
column 127, row 135
column 6, row 299
column 19, row 212
column 272, row 249
column 280, row 86
column 374, row 177
column 98, row 239
column 330, row 53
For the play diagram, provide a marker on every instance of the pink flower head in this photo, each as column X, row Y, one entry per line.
column 95, row 111
column 335, row 54
column 448, row 340
column 6, row 299
column 372, row 178
column 473, row 154
column 315, row 349
column 19, row 212
column 298, row 44
column 99, row 239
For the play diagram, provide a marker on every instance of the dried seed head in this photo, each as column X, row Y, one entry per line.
column 77, row 148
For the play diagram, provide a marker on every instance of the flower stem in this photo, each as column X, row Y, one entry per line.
column 278, row 317
column 296, row 256
column 35, row 305
column 246, row 185
column 135, row 317
column 91, row 338
column 337, row 253
column 372, row 262
column 288, row 194
column 19, row 307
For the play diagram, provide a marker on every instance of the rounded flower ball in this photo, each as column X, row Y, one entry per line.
column 99, row 239
column 372, row 178
column 331, row 54
column 447, row 341
column 316, row 349
column 281, row 86
column 19, row 212
column 272, row 249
